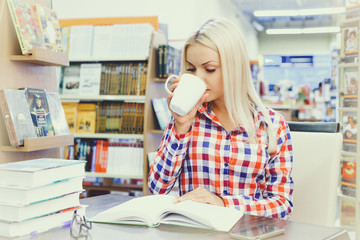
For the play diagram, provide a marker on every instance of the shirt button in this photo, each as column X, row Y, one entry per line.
column 226, row 164
column 227, row 137
column 225, row 192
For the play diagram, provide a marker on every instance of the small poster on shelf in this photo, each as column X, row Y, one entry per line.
column 350, row 87
column 351, row 44
column 349, row 131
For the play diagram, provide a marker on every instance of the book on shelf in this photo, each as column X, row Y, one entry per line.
column 39, row 111
column 348, row 178
column 27, row 25
column 349, row 4
column 347, row 212
column 19, row 196
column 86, row 118
column 102, row 41
column 168, row 61
column 18, row 213
column 90, row 74
column 351, row 81
column 16, row 115
column 351, row 40
column 81, row 38
column 70, row 110
column 71, row 79
column 57, row 114
column 50, row 28
column 39, row 172
column 162, row 111
column 350, row 126
column 159, row 209
column 40, row 224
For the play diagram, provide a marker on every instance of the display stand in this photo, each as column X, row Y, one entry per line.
column 18, row 71
column 349, row 70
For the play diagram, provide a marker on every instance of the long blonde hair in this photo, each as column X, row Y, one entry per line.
column 240, row 95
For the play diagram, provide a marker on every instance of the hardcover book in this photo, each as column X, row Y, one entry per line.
column 26, row 24
column 70, row 109
column 90, row 75
column 86, row 118
column 351, row 40
column 50, row 27
column 57, row 114
column 16, row 116
column 159, row 209
column 39, row 110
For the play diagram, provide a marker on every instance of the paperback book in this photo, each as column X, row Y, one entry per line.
column 16, row 115
column 351, row 40
column 159, row 209
column 348, row 178
column 57, row 114
column 349, row 131
column 39, row 111
column 162, row 111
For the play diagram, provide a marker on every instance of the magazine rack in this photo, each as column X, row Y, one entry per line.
column 43, row 57
column 32, row 71
column 41, row 143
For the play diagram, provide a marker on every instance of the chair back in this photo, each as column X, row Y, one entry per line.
column 316, row 169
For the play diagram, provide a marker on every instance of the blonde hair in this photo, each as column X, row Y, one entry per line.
column 240, row 95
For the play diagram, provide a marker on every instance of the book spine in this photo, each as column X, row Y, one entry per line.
column 9, row 124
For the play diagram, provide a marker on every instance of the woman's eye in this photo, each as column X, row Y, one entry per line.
column 210, row 70
column 191, row 69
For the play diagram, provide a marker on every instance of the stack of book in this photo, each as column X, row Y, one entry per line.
column 37, row 195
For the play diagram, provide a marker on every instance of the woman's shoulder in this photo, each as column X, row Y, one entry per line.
column 276, row 117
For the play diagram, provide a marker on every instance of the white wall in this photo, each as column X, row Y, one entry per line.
column 295, row 44
column 182, row 16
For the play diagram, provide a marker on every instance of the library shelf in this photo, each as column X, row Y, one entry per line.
column 43, row 57
column 107, row 59
column 349, row 65
column 114, row 98
column 114, row 187
column 156, row 131
column 108, row 136
column 41, row 143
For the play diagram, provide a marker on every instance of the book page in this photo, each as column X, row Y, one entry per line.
column 206, row 215
column 144, row 210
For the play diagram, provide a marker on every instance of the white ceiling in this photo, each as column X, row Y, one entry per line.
column 249, row 6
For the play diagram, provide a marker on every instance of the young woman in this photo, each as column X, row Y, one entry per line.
column 230, row 150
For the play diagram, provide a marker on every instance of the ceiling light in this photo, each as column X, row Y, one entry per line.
column 301, row 12
column 303, row 30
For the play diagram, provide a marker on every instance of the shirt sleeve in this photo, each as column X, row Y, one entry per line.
column 276, row 199
column 168, row 161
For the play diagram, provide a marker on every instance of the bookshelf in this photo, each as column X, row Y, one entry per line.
column 35, row 71
column 150, row 139
column 349, row 70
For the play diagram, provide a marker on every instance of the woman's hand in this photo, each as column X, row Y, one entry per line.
column 183, row 123
column 201, row 195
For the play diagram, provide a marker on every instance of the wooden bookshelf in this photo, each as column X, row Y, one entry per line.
column 115, row 98
column 41, row 143
column 107, row 175
column 108, row 135
column 43, row 57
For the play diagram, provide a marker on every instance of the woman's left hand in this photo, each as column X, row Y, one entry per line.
column 201, row 195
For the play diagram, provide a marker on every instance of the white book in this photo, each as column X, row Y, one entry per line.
column 90, row 75
column 81, row 37
column 39, row 172
column 71, row 79
column 159, row 209
column 38, row 225
column 57, row 114
column 102, row 42
column 11, row 213
column 29, row 195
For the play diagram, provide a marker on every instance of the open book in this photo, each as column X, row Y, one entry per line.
column 159, row 209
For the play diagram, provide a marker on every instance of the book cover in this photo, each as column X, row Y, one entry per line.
column 39, row 172
column 20, row 196
column 27, row 25
column 351, row 40
column 90, row 76
column 348, row 178
column 349, row 130
column 14, row 213
column 86, row 118
column 162, row 111
column 71, row 80
column 159, row 209
column 16, row 115
column 351, row 81
column 50, row 28
column 57, row 114
column 347, row 213
column 70, row 110
column 40, row 224
column 39, row 111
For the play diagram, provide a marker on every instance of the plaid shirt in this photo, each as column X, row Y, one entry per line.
column 245, row 175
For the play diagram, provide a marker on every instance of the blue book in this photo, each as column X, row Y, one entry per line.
column 39, row 172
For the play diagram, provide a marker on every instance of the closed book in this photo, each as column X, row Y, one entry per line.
column 90, row 76
column 57, row 114
column 27, row 25
column 29, row 195
column 86, row 118
column 40, row 224
column 15, row 213
column 162, row 112
column 16, row 115
column 70, row 110
column 39, row 172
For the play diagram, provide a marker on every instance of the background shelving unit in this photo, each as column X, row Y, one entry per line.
column 346, row 155
column 19, row 71
column 151, row 139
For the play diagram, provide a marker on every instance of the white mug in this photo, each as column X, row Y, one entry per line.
column 187, row 94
